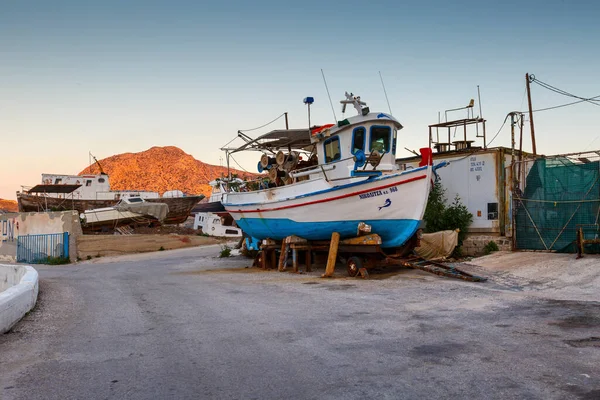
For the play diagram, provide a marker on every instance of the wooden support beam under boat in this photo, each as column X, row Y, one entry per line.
column 372, row 239
column 332, row 257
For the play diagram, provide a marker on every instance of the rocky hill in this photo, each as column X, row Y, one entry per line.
column 160, row 169
column 8, row 205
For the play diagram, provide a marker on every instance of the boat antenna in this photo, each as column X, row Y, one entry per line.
column 99, row 166
column 480, row 115
column 479, row 99
column 328, row 95
column 385, row 92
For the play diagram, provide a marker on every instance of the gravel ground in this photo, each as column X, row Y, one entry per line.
column 186, row 324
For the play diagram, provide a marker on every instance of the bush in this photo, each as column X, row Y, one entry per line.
column 490, row 247
column 225, row 251
column 58, row 260
column 440, row 217
column 161, row 248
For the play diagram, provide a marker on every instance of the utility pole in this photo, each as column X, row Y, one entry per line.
column 287, row 126
column 530, row 113
column 520, row 147
column 512, row 153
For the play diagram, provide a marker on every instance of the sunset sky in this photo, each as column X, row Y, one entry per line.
column 122, row 76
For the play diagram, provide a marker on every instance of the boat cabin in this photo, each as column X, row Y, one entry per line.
column 368, row 139
column 359, row 146
column 87, row 187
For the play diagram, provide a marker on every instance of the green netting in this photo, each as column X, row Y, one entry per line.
column 560, row 197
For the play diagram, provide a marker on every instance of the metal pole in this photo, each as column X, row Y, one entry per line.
column 430, row 137
column 286, row 122
column 512, row 146
column 530, row 114
column 521, row 147
column 479, row 99
column 228, row 170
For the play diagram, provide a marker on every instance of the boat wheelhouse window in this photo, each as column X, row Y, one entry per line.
column 394, row 138
column 358, row 139
column 332, row 149
column 88, row 182
column 380, row 138
column 101, row 180
column 57, row 181
column 135, row 200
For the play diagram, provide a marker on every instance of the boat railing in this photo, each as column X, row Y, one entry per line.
column 323, row 168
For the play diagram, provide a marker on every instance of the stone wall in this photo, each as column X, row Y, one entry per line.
column 473, row 245
column 13, row 225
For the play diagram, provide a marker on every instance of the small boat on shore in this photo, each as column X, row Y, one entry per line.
column 129, row 211
column 330, row 179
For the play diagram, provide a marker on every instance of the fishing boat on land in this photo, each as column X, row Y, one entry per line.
column 219, row 187
column 129, row 211
column 92, row 191
column 332, row 178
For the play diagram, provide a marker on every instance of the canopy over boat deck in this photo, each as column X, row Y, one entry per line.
column 63, row 189
column 298, row 139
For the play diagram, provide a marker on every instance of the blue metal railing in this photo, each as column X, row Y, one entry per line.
column 37, row 249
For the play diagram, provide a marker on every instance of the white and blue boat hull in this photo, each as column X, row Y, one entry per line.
column 392, row 204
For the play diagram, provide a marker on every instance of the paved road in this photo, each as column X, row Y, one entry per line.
column 186, row 325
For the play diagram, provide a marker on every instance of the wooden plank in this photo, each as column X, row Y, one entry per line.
column 282, row 256
column 372, row 239
column 332, row 257
column 295, row 239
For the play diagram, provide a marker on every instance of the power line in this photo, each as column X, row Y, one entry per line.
column 564, row 93
column 499, row 130
column 563, row 105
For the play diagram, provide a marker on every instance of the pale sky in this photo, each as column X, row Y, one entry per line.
column 113, row 76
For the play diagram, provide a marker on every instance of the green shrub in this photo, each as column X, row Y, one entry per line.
column 225, row 251
column 457, row 253
column 440, row 217
column 490, row 247
column 58, row 260
column 161, row 248
column 89, row 257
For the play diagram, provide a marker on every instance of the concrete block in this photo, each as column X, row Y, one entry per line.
column 18, row 299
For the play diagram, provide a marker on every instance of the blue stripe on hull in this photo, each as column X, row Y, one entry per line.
column 394, row 233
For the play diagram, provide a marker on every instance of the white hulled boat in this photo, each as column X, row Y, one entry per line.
column 331, row 178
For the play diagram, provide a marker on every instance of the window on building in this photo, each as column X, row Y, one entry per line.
column 58, row 181
column 358, row 139
column 332, row 149
column 88, row 182
column 492, row 210
column 380, row 139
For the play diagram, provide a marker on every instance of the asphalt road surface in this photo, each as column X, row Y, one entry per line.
column 187, row 325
